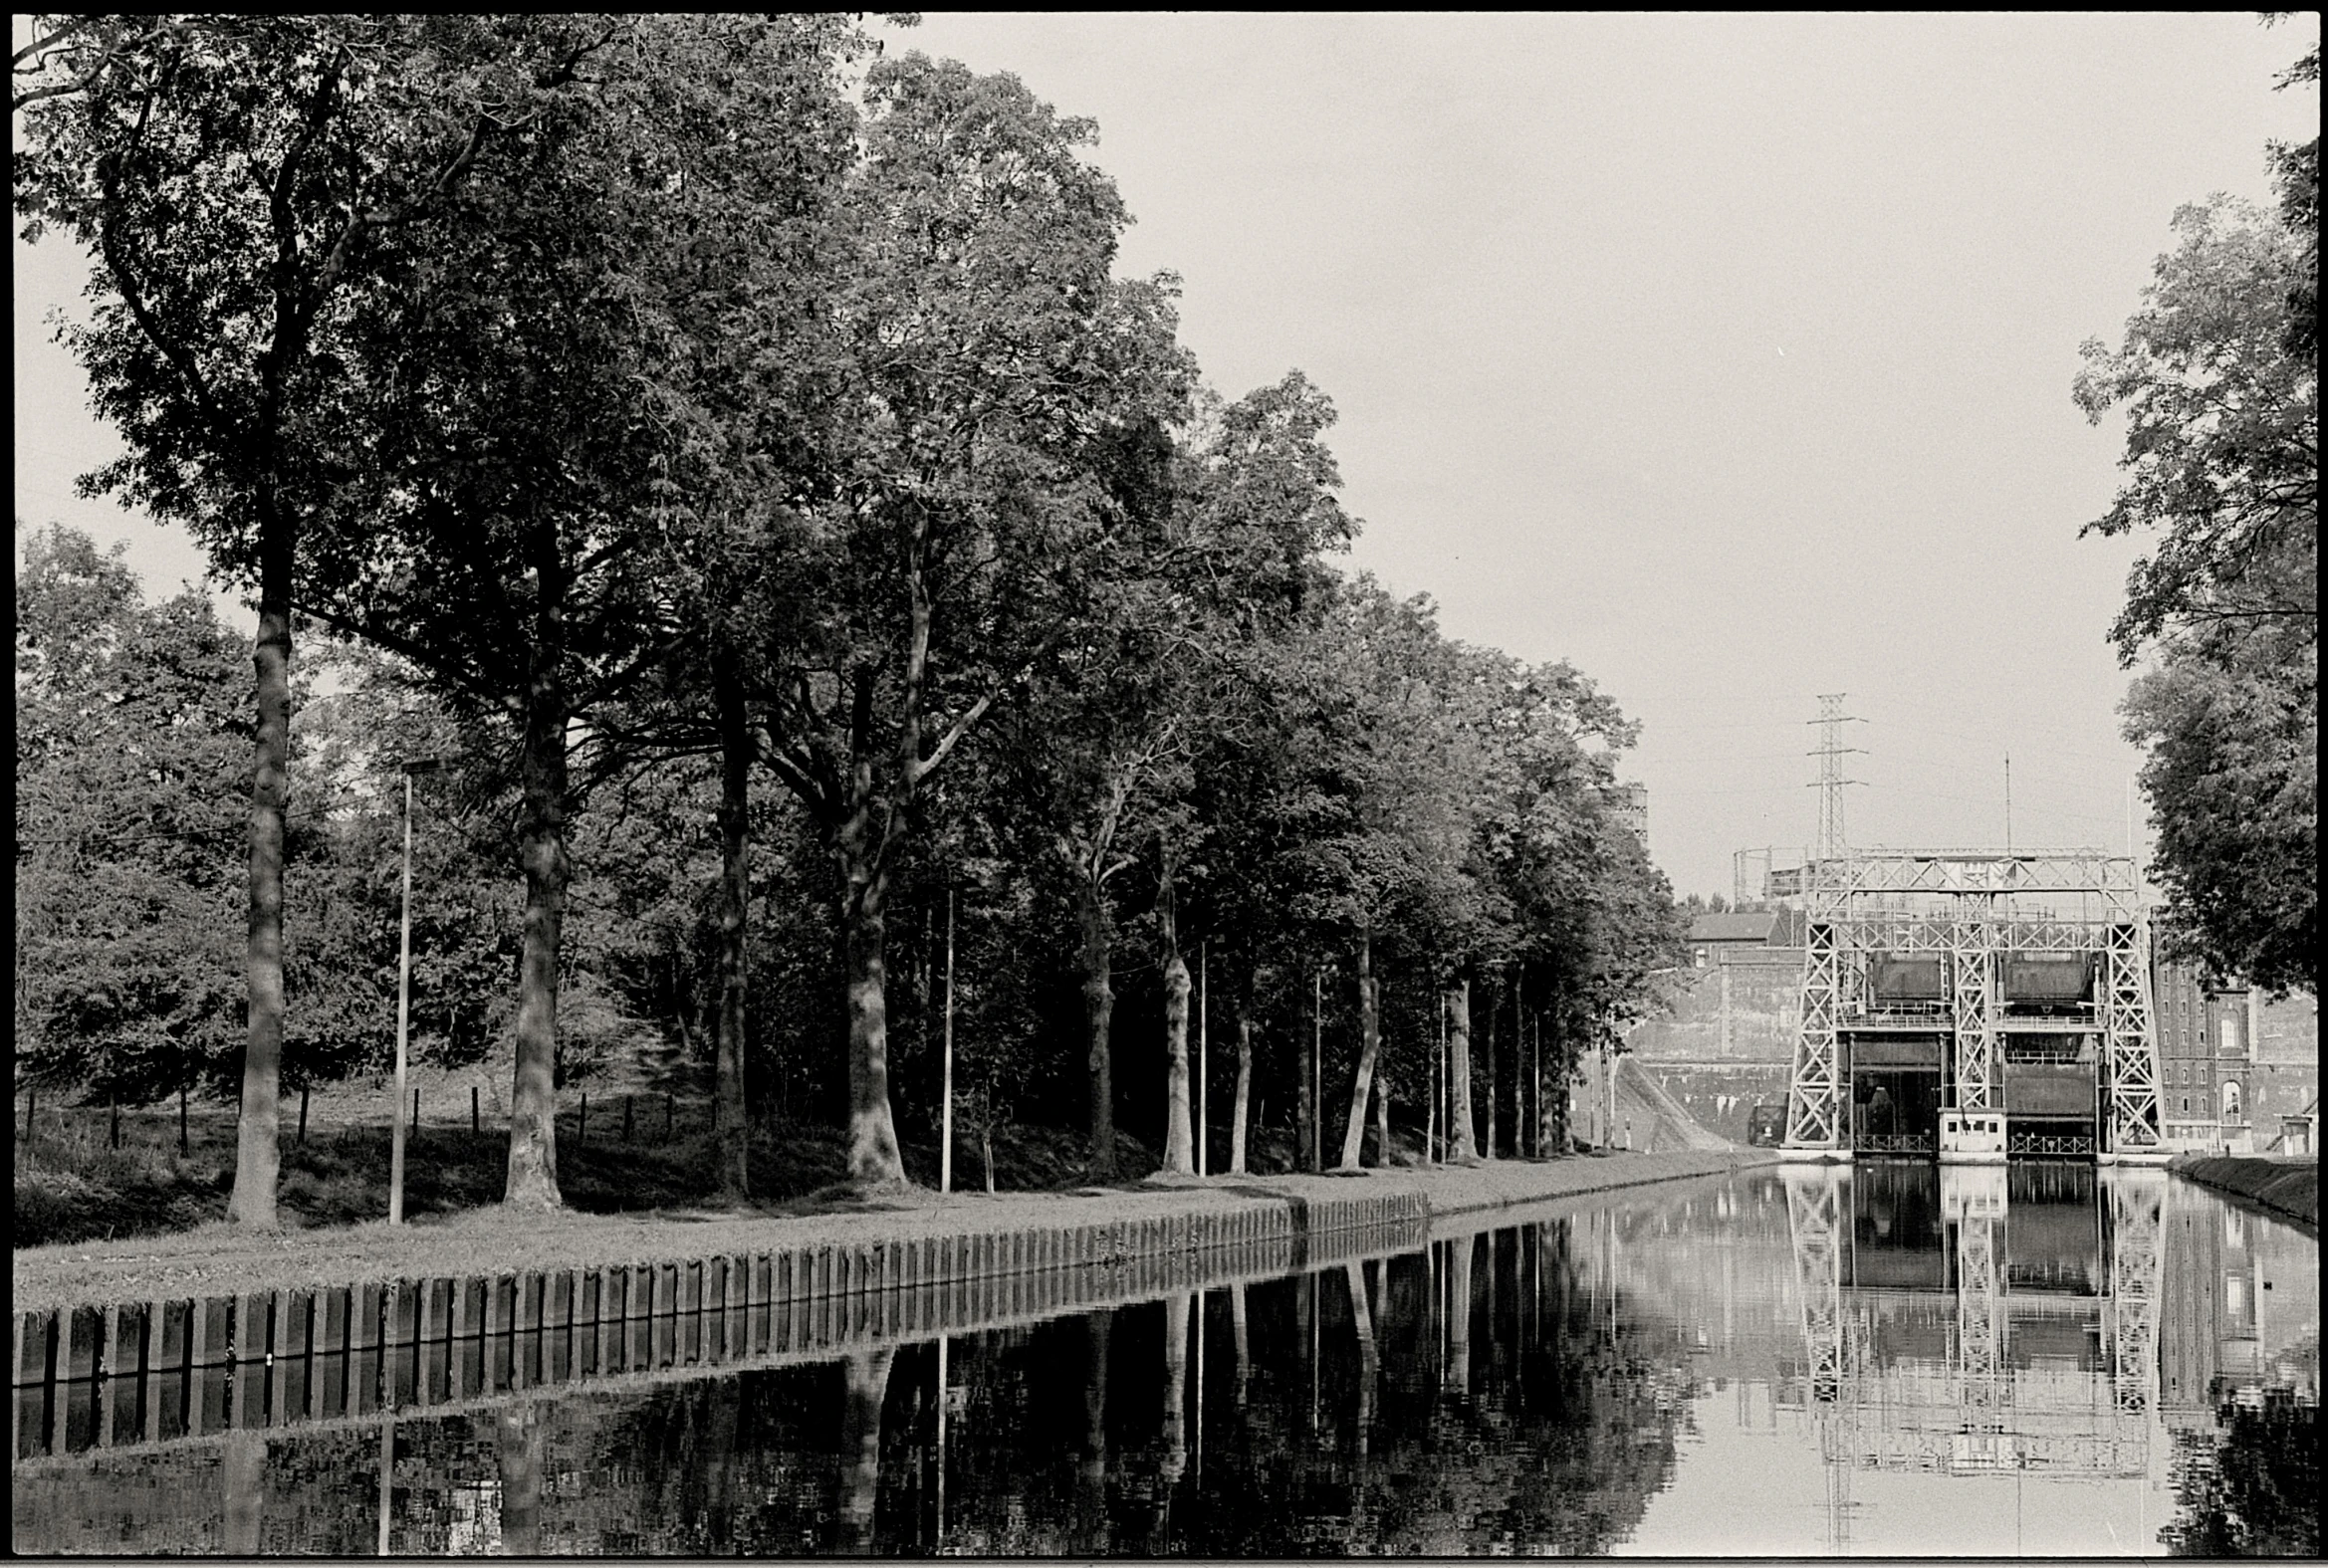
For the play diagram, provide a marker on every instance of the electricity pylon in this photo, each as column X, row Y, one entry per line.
column 1830, row 752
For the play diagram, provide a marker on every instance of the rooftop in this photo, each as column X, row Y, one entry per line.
column 1735, row 926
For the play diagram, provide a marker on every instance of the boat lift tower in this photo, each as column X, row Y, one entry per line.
column 1972, row 951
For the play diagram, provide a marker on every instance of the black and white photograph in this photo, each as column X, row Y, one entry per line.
column 1238, row 786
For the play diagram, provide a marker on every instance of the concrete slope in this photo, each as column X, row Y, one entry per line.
column 1659, row 1120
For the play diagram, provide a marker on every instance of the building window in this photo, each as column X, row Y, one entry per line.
column 2231, row 1101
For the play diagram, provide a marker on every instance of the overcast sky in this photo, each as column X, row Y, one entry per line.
column 1727, row 357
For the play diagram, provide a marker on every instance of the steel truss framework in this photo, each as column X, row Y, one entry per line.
column 1815, row 1103
column 2136, row 1111
column 1972, row 985
column 1961, row 906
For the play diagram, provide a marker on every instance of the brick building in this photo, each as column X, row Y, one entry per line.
column 2202, row 1059
column 2233, row 1067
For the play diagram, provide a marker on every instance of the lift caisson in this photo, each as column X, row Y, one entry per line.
column 1973, row 1006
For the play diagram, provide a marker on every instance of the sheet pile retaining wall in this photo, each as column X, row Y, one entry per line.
column 168, row 1370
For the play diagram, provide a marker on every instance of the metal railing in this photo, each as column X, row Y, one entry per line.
column 2037, row 1143
column 1894, row 1143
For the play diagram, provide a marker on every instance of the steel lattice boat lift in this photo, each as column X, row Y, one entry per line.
column 1974, row 1004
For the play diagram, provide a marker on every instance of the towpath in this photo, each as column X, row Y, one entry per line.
column 219, row 1258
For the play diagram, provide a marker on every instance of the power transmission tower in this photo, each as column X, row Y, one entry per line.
column 1830, row 752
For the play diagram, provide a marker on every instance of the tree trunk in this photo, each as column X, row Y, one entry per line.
column 1382, row 1122
column 730, row 1124
column 258, row 1159
column 1369, row 1039
column 1179, row 1131
column 533, row 1115
column 874, row 1159
column 985, row 1132
column 1243, row 1089
column 1457, row 1001
column 1495, row 1013
column 1538, row 1126
column 1563, row 1112
column 1098, row 1009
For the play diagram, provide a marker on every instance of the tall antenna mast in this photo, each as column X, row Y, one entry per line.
column 1830, row 752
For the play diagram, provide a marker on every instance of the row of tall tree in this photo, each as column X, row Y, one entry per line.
column 647, row 410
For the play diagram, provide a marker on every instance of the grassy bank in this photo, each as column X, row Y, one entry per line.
column 72, row 1184
column 217, row 1257
column 2286, row 1185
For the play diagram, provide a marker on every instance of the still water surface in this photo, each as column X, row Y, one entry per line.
column 1889, row 1361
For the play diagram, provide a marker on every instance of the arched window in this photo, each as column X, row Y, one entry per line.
column 2230, row 1099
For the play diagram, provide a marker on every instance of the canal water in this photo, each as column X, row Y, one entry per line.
column 1895, row 1360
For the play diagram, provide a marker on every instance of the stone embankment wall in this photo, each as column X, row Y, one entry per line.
column 1729, row 1042
column 1743, row 1007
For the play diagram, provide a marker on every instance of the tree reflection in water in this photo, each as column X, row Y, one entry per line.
column 2257, row 1492
column 245, row 1475
column 1091, row 1495
column 518, row 1448
column 860, row 1446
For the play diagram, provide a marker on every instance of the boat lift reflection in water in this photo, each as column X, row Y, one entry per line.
column 1974, row 1319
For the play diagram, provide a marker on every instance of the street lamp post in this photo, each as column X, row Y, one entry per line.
column 1204, row 949
column 946, row 1134
column 404, row 997
column 1316, row 1059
